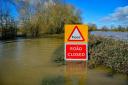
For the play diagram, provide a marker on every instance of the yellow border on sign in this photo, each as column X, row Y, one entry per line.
column 82, row 28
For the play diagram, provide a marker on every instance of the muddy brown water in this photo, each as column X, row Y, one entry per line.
column 27, row 62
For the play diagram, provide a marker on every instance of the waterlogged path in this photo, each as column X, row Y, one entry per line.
column 28, row 62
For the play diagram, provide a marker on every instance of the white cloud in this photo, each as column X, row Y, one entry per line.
column 120, row 15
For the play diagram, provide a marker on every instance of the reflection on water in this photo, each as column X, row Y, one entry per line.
column 76, row 73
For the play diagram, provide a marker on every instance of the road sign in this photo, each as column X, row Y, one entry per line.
column 80, row 32
column 76, row 39
column 76, row 52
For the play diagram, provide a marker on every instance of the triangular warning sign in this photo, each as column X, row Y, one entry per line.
column 76, row 35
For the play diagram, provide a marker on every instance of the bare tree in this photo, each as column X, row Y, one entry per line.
column 7, row 23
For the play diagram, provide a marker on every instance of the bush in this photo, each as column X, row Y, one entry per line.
column 110, row 53
column 46, row 17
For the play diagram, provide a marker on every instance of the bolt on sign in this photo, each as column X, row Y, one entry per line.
column 76, row 42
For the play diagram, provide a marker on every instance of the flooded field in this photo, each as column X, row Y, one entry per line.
column 114, row 35
column 28, row 62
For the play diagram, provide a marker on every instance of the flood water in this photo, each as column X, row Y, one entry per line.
column 114, row 35
column 28, row 62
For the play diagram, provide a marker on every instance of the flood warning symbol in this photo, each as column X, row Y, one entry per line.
column 76, row 35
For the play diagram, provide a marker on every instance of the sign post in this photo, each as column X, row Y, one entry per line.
column 76, row 42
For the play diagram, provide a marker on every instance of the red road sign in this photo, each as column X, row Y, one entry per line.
column 76, row 52
column 76, row 35
column 76, row 39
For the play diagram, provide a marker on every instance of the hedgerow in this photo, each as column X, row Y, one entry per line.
column 109, row 52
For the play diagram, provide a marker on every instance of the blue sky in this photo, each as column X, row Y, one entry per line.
column 100, row 12
column 93, row 11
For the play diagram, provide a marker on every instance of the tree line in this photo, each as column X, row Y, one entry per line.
column 119, row 28
column 36, row 17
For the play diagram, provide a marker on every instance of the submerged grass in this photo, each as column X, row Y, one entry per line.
column 58, row 56
column 54, row 80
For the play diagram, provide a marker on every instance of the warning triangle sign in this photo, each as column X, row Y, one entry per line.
column 76, row 35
